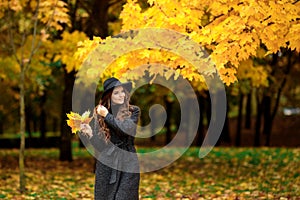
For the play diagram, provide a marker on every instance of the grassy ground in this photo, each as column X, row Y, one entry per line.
column 226, row 173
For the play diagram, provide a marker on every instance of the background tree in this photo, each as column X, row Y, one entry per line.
column 27, row 24
column 9, row 104
column 93, row 19
column 281, row 64
column 62, row 52
column 234, row 32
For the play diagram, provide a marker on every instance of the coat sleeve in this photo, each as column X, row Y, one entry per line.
column 97, row 140
column 98, row 143
column 127, row 126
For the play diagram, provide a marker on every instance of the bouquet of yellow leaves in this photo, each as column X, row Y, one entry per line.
column 76, row 119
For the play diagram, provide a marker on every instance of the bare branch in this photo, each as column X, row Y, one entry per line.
column 33, row 47
column 216, row 17
column 22, row 45
column 114, row 2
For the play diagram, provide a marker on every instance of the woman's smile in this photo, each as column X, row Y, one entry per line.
column 118, row 95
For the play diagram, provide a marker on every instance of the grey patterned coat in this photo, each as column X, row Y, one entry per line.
column 117, row 167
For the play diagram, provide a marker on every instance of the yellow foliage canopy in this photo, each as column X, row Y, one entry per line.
column 52, row 13
column 65, row 49
column 232, row 31
column 123, row 56
column 25, row 27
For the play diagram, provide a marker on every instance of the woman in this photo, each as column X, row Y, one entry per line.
column 117, row 168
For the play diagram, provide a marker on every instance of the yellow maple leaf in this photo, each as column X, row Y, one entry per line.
column 75, row 120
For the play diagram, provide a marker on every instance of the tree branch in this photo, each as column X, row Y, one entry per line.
column 286, row 72
column 216, row 17
column 33, row 47
column 111, row 3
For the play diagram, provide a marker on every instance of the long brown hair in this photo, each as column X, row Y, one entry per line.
column 122, row 113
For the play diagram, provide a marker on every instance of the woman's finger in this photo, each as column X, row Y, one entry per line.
column 98, row 109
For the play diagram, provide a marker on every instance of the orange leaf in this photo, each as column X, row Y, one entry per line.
column 75, row 120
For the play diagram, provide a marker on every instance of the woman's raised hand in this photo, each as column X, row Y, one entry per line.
column 101, row 110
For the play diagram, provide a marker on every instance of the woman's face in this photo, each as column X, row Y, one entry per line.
column 118, row 95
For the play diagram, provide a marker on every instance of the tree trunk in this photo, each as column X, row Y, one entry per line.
column 190, row 123
column 35, row 123
column 43, row 118
column 248, row 111
column 257, row 121
column 22, row 130
column 270, row 113
column 54, row 124
column 76, row 25
column 168, row 120
column 200, row 132
column 267, row 119
column 98, row 23
column 225, row 134
column 1, row 122
column 66, row 143
column 153, row 124
column 28, row 117
column 208, row 108
column 239, row 121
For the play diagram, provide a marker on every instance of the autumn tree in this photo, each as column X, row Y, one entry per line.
column 280, row 66
column 27, row 25
column 9, row 90
column 89, row 19
column 233, row 32
column 62, row 51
